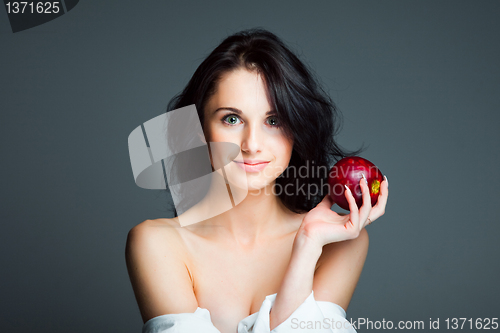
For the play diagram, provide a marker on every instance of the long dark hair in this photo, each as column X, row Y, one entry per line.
column 306, row 113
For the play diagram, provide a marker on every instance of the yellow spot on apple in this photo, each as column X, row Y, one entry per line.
column 375, row 186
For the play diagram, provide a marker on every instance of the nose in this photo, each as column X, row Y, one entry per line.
column 251, row 141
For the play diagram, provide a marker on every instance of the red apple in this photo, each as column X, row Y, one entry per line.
column 348, row 171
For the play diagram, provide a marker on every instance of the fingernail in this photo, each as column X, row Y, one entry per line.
column 347, row 187
column 385, row 177
column 363, row 175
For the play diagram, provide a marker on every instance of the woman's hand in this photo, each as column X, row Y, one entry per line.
column 321, row 225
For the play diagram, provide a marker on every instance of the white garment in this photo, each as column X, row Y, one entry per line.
column 310, row 316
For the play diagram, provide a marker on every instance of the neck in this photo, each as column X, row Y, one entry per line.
column 258, row 215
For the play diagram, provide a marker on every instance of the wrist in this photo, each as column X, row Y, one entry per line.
column 306, row 246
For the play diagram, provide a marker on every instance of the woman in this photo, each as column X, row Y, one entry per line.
column 281, row 254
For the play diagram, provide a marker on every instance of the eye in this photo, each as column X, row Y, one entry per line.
column 231, row 119
column 273, row 121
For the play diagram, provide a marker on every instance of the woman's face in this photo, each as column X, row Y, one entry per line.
column 239, row 112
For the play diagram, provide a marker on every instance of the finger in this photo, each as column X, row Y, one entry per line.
column 379, row 208
column 365, row 209
column 353, row 208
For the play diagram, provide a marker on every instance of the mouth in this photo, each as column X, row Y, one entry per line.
column 252, row 165
column 252, row 162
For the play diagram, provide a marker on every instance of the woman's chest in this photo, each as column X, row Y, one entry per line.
column 232, row 285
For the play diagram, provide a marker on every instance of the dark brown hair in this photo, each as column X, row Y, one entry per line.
column 305, row 111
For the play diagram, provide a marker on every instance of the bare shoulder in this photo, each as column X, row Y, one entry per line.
column 164, row 231
column 160, row 235
column 339, row 269
column 157, row 269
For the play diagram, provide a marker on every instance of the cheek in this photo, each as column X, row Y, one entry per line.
column 222, row 136
column 282, row 149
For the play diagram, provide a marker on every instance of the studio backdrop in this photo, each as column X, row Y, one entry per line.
column 417, row 82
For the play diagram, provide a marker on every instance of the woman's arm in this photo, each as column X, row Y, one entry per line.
column 159, row 277
column 339, row 269
column 334, row 280
column 297, row 283
column 322, row 226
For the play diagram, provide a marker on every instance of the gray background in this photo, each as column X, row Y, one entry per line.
column 416, row 80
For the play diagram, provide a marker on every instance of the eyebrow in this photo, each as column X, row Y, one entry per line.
column 238, row 111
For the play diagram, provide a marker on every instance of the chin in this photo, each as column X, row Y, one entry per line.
column 253, row 183
column 259, row 185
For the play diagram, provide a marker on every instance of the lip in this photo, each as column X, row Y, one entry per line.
column 252, row 165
